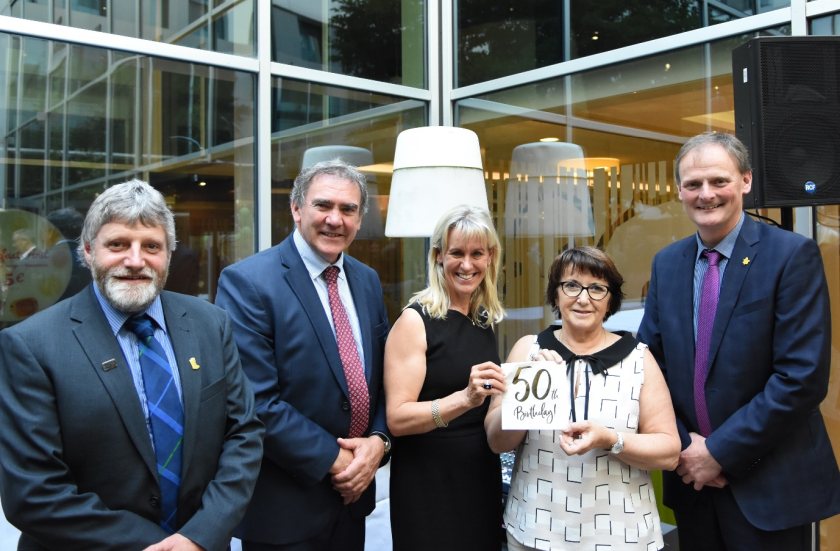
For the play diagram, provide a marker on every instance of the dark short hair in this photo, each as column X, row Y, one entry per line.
column 592, row 261
column 733, row 146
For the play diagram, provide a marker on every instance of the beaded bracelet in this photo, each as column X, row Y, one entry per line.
column 439, row 422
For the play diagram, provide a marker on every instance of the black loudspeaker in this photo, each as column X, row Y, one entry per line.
column 787, row 113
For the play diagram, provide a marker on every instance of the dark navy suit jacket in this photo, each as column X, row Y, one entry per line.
column 290, row 354
column 769, row 367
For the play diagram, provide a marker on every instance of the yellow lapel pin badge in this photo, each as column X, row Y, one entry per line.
column 746, row 261
column 193, row 363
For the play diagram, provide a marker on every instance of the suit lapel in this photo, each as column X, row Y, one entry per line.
column 746, row 247
column 106, row 358
column 183, row 336
column 684, row 298
column 301, row 285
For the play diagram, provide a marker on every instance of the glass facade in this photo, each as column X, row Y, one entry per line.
column 222, row 27
column 220, row 103
column 79, row 118
column 504, row 37
column 377, row 39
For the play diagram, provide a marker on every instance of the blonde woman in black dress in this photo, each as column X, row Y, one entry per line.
column 441, row 365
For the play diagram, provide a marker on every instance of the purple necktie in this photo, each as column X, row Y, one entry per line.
column 705, row 322
column 353, row 370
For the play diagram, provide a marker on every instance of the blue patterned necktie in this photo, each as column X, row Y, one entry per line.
column 165, row 415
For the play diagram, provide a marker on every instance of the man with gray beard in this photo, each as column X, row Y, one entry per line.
column 127, row 420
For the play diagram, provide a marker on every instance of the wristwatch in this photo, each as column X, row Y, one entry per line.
column 618, row 447
column 385, row 440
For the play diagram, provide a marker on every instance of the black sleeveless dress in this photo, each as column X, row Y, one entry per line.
column 446, row 485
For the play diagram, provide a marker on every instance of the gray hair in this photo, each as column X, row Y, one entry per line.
column 129, row 203
column 733, row 146
column 335, row 167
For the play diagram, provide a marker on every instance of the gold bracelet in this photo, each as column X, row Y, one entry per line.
column 439, row 422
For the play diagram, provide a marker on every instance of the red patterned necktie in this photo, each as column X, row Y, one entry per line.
column 705, row 322
column 354, row 372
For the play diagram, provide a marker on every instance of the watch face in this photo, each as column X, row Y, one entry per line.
column 618, row 447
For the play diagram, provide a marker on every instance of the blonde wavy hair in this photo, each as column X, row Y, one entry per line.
column 472, row 222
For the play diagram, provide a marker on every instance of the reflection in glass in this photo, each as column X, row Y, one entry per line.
column 94, row 117
column 376, row 39
column 496, row 39
column 185, row 22
column 35, row 267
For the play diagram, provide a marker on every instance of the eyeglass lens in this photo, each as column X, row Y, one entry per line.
column 596, row 291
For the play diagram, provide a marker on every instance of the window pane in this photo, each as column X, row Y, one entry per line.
column 314, row 122
column 185, row 22
column 606, row 178
column 495, row 39
column 77, row 119
column 376, row 39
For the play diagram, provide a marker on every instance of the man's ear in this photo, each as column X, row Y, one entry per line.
column 748, row 176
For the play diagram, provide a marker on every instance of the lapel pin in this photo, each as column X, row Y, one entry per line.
column 193, row 363
column 746, row 261
column 108, row 365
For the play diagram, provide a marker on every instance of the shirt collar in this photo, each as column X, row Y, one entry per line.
column 116, row 318
column 314, row 263
column 726, row 245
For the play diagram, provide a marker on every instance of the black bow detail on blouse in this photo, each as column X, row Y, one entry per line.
column 596, row 363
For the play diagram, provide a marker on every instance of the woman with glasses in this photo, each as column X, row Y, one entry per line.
column 589, row 485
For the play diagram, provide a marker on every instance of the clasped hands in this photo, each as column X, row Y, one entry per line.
column 175, row 542
column 698, row 466
column 356, row 465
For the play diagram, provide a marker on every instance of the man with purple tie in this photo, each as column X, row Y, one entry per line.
column 748, row 374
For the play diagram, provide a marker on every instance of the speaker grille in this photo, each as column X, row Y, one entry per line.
column 793, row 124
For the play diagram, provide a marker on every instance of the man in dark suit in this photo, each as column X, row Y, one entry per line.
column 757, row 466
column 325, row 427
column 96, row 418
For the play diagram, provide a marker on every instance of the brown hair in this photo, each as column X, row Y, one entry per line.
column 592, row 261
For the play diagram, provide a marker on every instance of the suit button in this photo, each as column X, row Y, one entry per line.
column 345, row 405
column 154, row 501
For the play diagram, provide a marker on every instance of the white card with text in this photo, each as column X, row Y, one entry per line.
column 537, row 396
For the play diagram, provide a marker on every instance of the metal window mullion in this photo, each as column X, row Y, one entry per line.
column 262, row 128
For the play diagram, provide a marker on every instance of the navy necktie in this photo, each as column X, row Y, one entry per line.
column 166, row 415
column 705, row 323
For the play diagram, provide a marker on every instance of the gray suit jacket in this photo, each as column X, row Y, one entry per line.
column 78, row 468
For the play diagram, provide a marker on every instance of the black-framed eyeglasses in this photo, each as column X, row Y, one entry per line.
column 573, row 289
